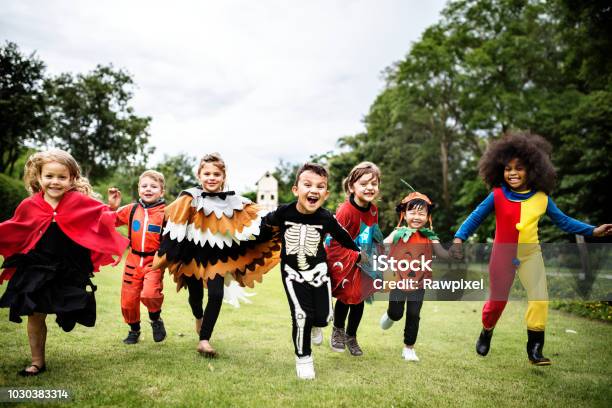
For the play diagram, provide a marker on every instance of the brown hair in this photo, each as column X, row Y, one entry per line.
column 155, row 175
column 214, row 158
column 358, row 171
column 533, row 151
column 35, row 163
column 314, row 167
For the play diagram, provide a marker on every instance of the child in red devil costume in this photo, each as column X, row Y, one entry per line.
column 350, row 285
column 56, row 239
column 145, row 219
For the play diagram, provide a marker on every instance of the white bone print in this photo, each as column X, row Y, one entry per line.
column 302, row 240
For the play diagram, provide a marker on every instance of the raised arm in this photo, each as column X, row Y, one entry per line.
column 114, row 198
column 566, row 223
column 476, row 218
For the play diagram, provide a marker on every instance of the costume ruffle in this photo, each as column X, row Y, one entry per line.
column 213, row 235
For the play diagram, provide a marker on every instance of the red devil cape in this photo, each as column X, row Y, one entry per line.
column 84, row 220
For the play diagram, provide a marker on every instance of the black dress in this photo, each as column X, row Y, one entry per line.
column 52, row 278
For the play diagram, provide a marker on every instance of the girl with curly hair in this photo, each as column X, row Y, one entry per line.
column 519, row 170
column 57, row 238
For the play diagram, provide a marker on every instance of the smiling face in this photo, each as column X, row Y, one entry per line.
column 211, row 177
column 416, row 217
column 55, row 181
column 515, row 175
column 311, row 192
column 149, row 190
column 365, row 189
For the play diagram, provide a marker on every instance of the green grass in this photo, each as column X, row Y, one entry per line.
column 256, row 364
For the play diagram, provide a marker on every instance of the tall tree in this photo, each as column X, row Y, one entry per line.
column 92, row 118
column 179, row 172
column 22, row 104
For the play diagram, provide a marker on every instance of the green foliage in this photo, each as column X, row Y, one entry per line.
column 99, row 370
column 285, row 175
column 485, row 68
column 251, row 195
column 179, row 172
column 22, row 104
column 591, row 310
column 12, row 192
column 92, row 119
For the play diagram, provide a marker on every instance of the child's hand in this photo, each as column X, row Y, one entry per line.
column 456, row 250
column 603, row 230
column 364, row 260
column 114, row 198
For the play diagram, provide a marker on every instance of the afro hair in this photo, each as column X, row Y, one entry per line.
column 532, row 150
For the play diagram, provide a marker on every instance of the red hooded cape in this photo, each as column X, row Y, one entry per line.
column 84, row 220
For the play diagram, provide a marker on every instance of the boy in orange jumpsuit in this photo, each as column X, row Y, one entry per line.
column 145, row 220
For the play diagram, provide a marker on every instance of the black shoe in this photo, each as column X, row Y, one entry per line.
column 535, row 345
column 484, row 342
column 132, row 337
column 39, row 370
column 159, row 331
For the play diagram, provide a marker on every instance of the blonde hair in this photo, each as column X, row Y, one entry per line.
column 358, row 171
column 213, row 158
column 35, row 163
column 154, row 175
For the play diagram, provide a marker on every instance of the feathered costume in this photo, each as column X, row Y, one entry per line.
column 209, row 234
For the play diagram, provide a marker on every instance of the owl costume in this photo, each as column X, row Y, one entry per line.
column 212, row 238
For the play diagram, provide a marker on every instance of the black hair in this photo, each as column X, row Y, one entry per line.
column 412, row 204
column 533, row 151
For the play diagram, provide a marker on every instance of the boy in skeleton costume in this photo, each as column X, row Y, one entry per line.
column 303, row 226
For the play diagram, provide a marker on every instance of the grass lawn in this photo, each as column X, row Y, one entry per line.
column 256, row 363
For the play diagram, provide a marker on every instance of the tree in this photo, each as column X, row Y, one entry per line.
column 285, row 175
column 22, row 104
column 91, row 117
column 179, row 172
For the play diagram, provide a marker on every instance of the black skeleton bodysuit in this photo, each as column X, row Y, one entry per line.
column 304, row 268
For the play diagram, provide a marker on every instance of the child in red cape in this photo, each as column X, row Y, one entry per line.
column 55, row 241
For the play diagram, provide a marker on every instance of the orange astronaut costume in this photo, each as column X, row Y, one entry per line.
column 140, row 282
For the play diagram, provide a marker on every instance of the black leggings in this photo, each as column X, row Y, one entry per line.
column 310, row 307
column 195, row 287
column 341, row 310
column 413, row 301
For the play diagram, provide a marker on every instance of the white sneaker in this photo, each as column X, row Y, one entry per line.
column 304, row 366
column 385, row 322
column 409, row 354
column 316, row 336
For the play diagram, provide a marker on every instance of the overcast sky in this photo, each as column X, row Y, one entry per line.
column 256, row 81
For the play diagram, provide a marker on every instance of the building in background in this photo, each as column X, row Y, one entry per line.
column 267, row 192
